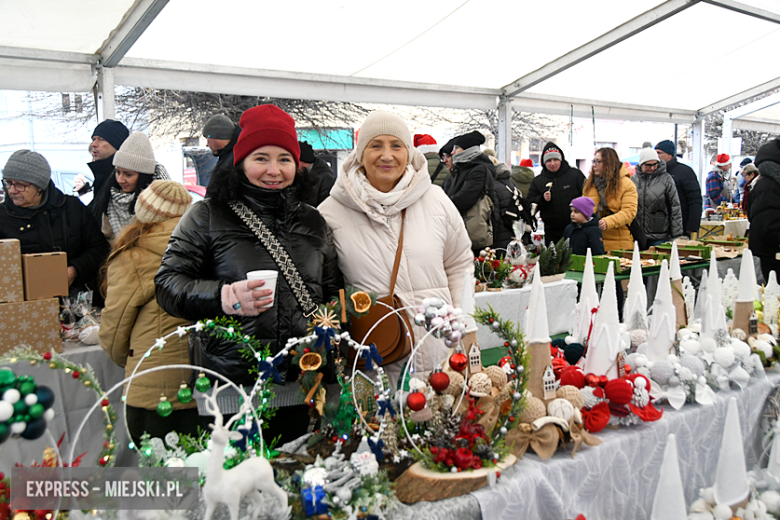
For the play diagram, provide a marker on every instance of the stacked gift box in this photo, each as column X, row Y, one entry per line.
column 29, row 307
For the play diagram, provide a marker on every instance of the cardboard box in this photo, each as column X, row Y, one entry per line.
column 11, row 289
column 36, row 324
column 45, row 275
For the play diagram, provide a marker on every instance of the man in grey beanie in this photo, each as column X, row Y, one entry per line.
column 44, row 219
column 221, row 135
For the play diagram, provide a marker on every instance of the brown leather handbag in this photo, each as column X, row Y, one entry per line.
column 393, row 336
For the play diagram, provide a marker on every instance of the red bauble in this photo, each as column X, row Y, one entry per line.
column 573, row 376
column 75, row 374
column 603, row 380
column 458, row 361
column 439, row 381
column 47, row 356
column 619, row 391
column 463, row 458
column 627, row 368
column 592, row 380
column 506, row 360
column 104, row 402
column 415, row 401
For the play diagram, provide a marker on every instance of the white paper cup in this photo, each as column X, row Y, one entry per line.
column 270, row 281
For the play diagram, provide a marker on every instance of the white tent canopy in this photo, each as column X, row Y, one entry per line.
column 651, row 60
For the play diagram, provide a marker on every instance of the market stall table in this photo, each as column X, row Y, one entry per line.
column 511, row 305
column 718, row 228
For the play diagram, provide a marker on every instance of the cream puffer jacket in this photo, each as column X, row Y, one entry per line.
column 436, row 250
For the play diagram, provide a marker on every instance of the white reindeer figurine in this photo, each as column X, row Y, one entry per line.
column 246, row 479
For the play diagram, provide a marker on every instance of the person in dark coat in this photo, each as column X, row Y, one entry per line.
column 445, row 154
column 750, row 175
column 522, row 175
column 584, row 232
column 688, row 187
column 511, row 205
column 203, row 273
column 471, row 170
column 317, row 174
column 764, row 210
column 45, row 220
column 430, row 149
column 658, row 206
column 107, row 138
column 553, row 190
column 221, row 135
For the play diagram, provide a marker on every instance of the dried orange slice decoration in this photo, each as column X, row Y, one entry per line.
column 310, row 361
column 362, row 301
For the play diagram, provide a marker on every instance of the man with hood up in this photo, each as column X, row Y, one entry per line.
column 553, row 190
column 764, row 211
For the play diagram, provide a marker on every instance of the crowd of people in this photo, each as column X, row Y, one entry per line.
column 419, row 211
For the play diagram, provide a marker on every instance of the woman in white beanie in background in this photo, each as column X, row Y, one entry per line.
column 381, row 178
column 134, row 170
column 132, row 321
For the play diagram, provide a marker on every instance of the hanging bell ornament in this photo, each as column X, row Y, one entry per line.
column 184, row 395
column 458, row 360
column 202, row 384
column 439, row 380
column 164, row 409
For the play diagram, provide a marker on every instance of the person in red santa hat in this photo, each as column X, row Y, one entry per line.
column 719, row 187
column 430, row 149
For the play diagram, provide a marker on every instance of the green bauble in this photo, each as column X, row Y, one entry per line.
column 20, row 407
column 27, row 387
column 164, row 409
column 184, row 395
column 203, row 384
column 36, row 410
column 7, row 377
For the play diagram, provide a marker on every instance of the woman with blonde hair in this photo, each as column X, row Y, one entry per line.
column 132, row 320
column 609, row 185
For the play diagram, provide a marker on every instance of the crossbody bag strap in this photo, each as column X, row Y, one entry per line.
column 398, row 252
column 279, row 254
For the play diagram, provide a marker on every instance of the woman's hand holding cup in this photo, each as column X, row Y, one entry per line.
column 246, row 298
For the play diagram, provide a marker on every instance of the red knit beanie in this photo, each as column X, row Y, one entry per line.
column 263, row 126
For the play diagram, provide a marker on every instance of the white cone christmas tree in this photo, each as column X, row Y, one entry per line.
column 731, row 482
column 537, row 333
column 678, row 296
column 589, row 300
column 606, row 341
column 661, row 334
column 674, row 264
column 713, row 317
column 467, row 301
column 669, row 502
column 635, row 310
column 746, row 292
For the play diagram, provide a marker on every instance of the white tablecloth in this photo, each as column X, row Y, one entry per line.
column 618, row 478
column 561, row 298
column 737, row 228
column 71, row 405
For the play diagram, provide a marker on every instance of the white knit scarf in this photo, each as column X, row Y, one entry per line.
column 378, row 200
column 118, row 211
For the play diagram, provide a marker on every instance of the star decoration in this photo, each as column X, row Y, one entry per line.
column 325, row 317
column 181, row 331
column 159, row 343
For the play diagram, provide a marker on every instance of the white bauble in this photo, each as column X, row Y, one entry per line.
column 198, row 460
column 722, row 512
column 700, row 506
column 708, row 345
column 690, row 346
column 12, row 395
column 708, row 494
column 741, row 349
column 344, row 494
column 6, row 410
column 683, row 333
column 49, row 414
column 18, row 427
column 764, row 347
column 175, row 462
column 561, row 408
column 30, row 399
column 771, row 500
column 724, row 356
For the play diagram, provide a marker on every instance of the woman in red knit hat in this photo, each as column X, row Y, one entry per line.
column 204, row 270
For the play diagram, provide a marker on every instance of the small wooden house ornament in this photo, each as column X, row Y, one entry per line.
column 753, row 325
column 548, row 383
column 475, row 359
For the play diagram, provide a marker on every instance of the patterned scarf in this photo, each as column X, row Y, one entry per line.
column 601, row 188
column 118, row 211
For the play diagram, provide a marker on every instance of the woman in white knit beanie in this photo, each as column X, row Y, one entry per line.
column 384, row 188
column 134, row 170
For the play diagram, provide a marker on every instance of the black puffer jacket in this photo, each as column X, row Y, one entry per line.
column 503, row 234
column 689, row 191
column 584, row 236
column 102, row 170
column 566, row 186
column 468, row 183
column 658, row 205
column 62, row 223
column 320, row 179
column 764, row 211
column 212, row 246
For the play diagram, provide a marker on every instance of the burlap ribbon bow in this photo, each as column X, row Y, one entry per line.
column 544, row 441
column 490, row 410
column 580, row 435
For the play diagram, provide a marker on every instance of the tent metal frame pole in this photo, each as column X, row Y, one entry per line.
column 698, row 149
column 106, row 101
column 130, row 29
column 504, row 145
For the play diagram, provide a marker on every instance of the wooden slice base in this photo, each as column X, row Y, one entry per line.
column 417, row 483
